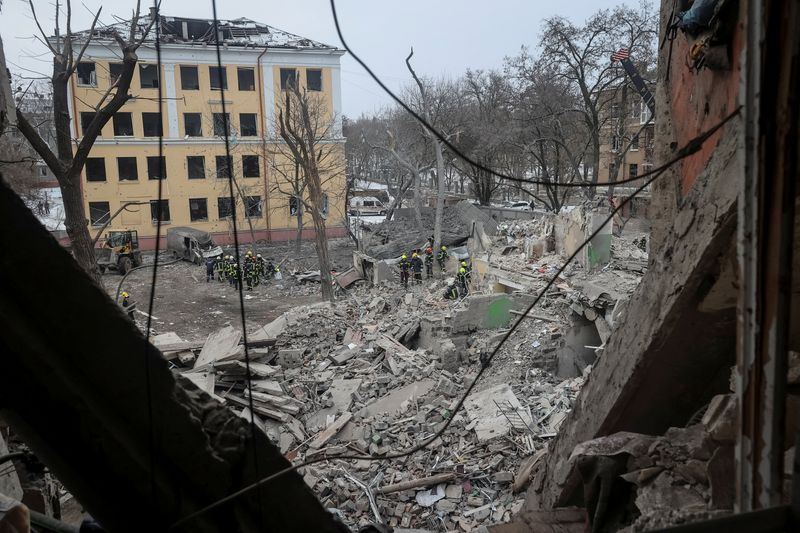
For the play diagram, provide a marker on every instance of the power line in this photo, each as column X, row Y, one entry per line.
column 690, row 148
column 442, row 138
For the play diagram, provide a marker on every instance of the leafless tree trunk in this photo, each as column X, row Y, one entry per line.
column 67, row 165
column 304, row 126
column 437, row 149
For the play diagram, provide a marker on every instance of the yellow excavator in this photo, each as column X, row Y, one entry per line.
column 120, row 252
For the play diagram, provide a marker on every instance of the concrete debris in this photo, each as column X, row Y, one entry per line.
column 381, row 371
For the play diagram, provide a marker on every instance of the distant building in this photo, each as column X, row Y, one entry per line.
column 36, row 103
column 626, row 138
column 259, row 62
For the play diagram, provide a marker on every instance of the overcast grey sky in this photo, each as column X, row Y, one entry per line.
column 448, row 36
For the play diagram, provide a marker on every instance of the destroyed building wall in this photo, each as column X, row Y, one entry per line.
column 670, row 352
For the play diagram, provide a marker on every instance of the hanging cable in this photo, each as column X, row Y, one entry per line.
column 443, row 139
column 229, row 165
column 692, row 147
column 151, row 303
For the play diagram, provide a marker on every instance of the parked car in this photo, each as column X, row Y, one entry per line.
column 521, row 206
column 191, row 244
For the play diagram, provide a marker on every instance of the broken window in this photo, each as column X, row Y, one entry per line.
column 86, row 118
column 95, row 169
column 635, row 143
column 193, row 124
column 156, row 167
column 250, row 166
column 224, row 209
column 294, row 206
column 247, row 79
column 224, row 166
column 189, row 79
column 148, row 76
column 219, row 78
column 114, row 72
column 314, row 79
column 247, row 125
column 159, row 211
column 151, row 124
column 644, row 113
column 123, row 125
column 198, row 209
column 196, row 166
column 323, row 209
column 288, row 78
column 220, row 121
column 87, row 74
column 633, row 170
column 126, row 166
column 99, row 213
column 253, row 208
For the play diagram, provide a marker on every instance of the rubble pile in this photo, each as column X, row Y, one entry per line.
column 685, row 475
column 381, row 370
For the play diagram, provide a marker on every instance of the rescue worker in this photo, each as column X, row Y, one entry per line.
column 210, row 261
column 128, row 304
column 261, row 267
column 220, row 267
column 248, row 273
column 468, row 268
column 236, row 274
column 463, row 282
column 405, row 266
column 429, row 262
column 269, row 271
column 451, row 292
column 416, row 266
column 230, row 272
column 441, row 258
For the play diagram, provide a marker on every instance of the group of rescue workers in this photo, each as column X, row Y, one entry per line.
column 458, row 289
column 253, row 270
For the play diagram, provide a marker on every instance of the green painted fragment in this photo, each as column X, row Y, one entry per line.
column 498, row 314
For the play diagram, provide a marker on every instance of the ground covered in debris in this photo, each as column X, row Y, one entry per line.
column 381, row 370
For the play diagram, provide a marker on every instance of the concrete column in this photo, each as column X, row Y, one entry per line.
column 336, row 87
column 269, row 101
column 172, row 105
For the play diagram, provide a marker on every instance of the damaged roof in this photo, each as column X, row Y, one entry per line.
column 237, row 32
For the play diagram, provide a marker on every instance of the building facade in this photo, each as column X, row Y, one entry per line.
column 626, row 139
column 259, row 64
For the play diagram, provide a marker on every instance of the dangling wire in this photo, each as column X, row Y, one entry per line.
column 151, row 303
column 229, row 165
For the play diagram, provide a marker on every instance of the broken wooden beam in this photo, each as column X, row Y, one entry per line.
column 324, row 436
column 417, row 483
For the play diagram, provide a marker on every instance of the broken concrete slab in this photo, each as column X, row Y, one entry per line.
column 391, row 402
column 221, row 345
column 486, row 417
column 290, row 358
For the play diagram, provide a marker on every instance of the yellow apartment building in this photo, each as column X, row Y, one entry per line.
column 259, row 62
column 626, row 137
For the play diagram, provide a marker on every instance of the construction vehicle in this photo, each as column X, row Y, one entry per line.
column 120, row 252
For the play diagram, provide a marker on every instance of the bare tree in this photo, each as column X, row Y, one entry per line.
column 309, row 141
column 67, row 163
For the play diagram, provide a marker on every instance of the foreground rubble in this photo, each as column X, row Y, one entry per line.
column 380, row 371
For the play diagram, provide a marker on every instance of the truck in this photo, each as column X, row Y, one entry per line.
column 191, row 244
column 119, row 252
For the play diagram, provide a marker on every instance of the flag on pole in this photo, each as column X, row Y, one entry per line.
column 619, row 55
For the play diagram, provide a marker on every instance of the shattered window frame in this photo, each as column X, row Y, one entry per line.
column 316, row 85
column 125, row 168
column 152, row 125
column 246, row 77
column 248, row 124
column 86, row 119
column 148, row 72
column 86, row 74
column 190, row 77
column 114, row 72
column 163, row 211
column 223, row 166
column 288, row 78
column 153, row 167
column 224, row 207
column 192, row 167
column 122, row 123
column 251, row 166
column 198, row 209
column 99, row 212
column 218, row 76
column 219, row 120
column 253, row 207
column 95, row 169
column 193, row 124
